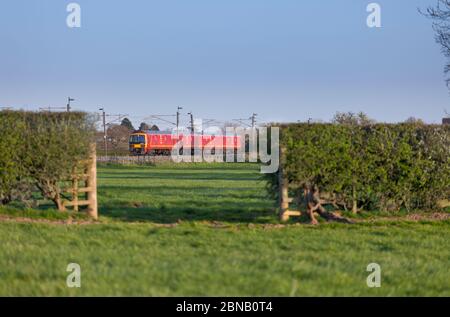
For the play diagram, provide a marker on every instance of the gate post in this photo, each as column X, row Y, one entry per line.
column 283, row 186
column 91, row 183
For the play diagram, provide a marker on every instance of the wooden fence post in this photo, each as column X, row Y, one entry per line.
column 284, row 190
column 75, row 189
column 284, row 200
column 91, row 183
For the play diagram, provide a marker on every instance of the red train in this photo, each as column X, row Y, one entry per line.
column 162, row 143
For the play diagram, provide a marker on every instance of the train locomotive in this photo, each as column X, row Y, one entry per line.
column 162, row 143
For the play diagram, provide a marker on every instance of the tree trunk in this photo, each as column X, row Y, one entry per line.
column 355, row 200
column 50, row 190
column 57, row 198
column 58, row 203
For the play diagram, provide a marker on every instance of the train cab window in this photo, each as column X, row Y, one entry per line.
column 137, row 139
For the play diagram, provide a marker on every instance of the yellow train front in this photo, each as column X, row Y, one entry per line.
column 138, row 143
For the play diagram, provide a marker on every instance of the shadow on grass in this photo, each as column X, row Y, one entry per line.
column 198, row 167
column 240, row 212
column 217, row 192
column 164, row 192
column 183, row 176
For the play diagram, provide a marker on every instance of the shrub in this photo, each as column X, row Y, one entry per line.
column 370, row 166
column 41, row 149
column 11, row 146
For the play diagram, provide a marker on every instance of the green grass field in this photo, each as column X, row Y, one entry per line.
column 194, row 230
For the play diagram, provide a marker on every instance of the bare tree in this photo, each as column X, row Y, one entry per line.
column 118, row 138
column 127, row 123
column 414, row 120
column 154, row 128
column 440, row 14
column 144, row 126
column 351, row 118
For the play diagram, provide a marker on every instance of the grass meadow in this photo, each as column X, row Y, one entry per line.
column 211, row 230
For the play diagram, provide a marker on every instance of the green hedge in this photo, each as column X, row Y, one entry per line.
column 375, row 166
column 38, row 150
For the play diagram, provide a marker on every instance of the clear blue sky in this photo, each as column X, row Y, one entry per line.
column 287, row 60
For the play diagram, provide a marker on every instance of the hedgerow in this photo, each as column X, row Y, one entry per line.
column 369, row 166
column 39, row 150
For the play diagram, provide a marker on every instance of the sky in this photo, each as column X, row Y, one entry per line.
column 286, row 60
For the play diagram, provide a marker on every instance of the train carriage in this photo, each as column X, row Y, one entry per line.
column 162, row 143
